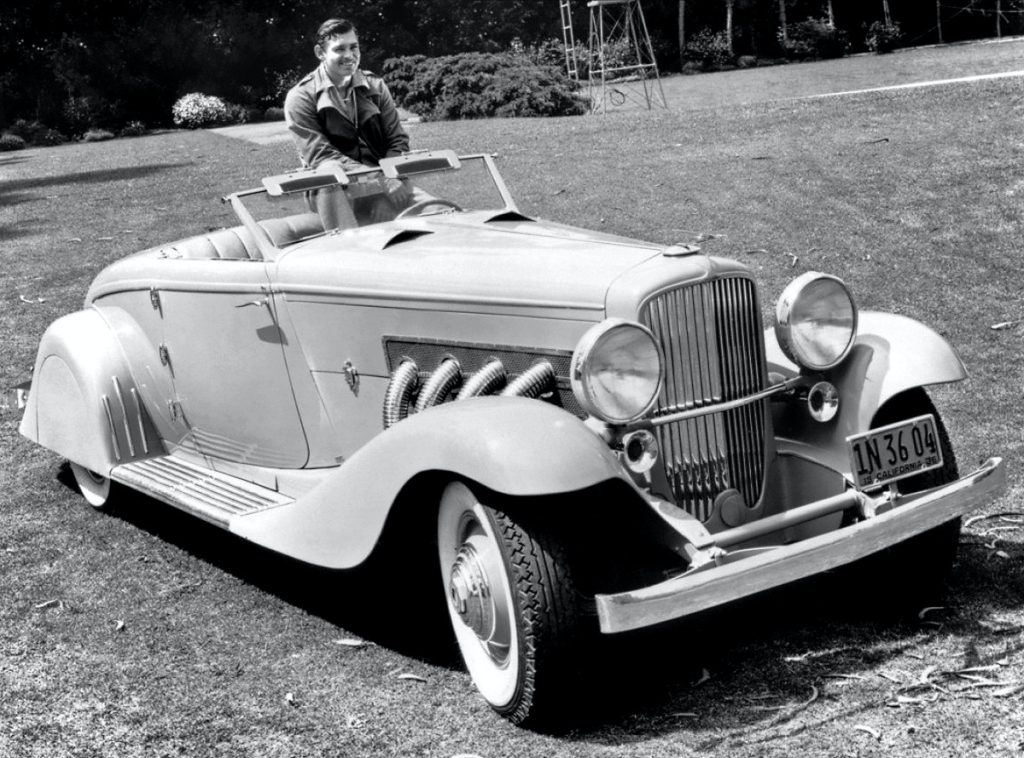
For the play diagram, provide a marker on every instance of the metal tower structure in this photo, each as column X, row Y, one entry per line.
column 622, row 68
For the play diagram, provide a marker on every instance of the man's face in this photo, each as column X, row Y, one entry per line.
column 340, row 55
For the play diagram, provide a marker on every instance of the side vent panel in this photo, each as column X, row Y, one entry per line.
column 425, row 373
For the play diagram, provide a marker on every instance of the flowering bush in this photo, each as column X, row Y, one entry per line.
column 196, row 110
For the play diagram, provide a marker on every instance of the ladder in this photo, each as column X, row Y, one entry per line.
column 569, row 40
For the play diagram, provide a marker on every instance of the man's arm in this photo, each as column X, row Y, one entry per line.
column 391, row 123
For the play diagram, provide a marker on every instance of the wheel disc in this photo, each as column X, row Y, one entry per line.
column 95, row 487
column 479, row 595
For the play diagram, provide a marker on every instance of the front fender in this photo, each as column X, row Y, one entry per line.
column 83, row 404
column 515, row 446
column 892, row 354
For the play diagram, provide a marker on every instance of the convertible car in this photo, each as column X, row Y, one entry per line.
column 578, row 432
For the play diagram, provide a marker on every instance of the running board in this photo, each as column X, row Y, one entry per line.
column 210, row 495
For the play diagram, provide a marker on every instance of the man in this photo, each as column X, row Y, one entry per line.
column 340, row 116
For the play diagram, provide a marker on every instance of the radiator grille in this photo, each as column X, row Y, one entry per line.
column 712, row 337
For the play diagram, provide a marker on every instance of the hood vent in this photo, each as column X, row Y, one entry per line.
column 508, row 216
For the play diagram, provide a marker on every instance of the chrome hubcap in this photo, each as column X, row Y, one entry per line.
column 470, row 593
column 480, row 604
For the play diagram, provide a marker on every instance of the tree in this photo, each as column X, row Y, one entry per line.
column 728, row 23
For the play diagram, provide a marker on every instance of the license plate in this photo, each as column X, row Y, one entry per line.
column 894, row 452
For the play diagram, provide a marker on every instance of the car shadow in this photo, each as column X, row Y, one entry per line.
column 756, row 668
column 753, row 668
column 352, row 600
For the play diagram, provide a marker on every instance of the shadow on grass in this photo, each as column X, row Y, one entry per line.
column 25, row 190
column 386, row 602
column 11, row 189
column 25, row 228
column 755, row 668
column 11, row 158
column 746, row 672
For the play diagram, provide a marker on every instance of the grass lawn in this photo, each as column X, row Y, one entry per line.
column 148, row 633
column 910, row 66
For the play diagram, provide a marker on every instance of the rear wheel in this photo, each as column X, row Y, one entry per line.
column 511, row 602
column 97, row 489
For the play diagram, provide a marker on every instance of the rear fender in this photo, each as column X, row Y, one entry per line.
column 515, row 446
column 83, row 404
column 892, row 354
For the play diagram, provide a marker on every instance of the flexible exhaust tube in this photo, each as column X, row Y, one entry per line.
column 447, row 377
column 396, row 401
column 533, row 383
column 487, row 380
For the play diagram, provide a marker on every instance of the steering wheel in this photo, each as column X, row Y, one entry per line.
column 417, row 207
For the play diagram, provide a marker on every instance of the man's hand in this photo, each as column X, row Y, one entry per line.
column 398, row 192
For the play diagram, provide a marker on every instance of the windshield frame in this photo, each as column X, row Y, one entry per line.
column 296, row 183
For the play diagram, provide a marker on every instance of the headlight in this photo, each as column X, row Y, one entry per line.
column 617, row 370
column 816, row 321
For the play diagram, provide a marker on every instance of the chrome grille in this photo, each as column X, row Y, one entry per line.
column 711, row 335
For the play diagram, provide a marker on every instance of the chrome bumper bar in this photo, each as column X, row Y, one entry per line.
column 773, row 567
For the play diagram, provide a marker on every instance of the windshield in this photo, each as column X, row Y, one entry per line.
column 376, row 196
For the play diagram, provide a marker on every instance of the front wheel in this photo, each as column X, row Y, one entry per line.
column 913, row 573
column 511, row 602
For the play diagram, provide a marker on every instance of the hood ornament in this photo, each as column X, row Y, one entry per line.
column 679, row 250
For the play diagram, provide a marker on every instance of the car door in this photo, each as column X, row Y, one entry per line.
column 226, row 354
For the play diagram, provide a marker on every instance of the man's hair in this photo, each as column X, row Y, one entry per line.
column 332, row 27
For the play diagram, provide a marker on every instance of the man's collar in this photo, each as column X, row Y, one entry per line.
column 323, row 80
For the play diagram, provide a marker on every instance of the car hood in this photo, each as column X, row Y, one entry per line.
column 473, row 258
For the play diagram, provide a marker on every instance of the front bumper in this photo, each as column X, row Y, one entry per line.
column 706, row 588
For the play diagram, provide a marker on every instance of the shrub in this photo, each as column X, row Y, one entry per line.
column 813, row 38
column 274, row 113
column 97, row 135
column 550, row 52
column 281, row 82
column 35, row 133
column 29, row 131
column 480, row 85
column 242, row 114
column 882, row 38
column 47, row 137
column 196, row 111
column 133, row 129
column 710, row 49
column 77, row 114
column 9, row 142
column 618, row 53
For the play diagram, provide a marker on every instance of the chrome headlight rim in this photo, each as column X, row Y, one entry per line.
column 581, row 371
column 793, row 300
